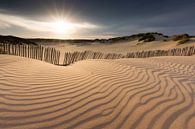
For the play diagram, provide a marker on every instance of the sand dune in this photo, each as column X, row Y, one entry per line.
column 153, row 93
column 123, row 47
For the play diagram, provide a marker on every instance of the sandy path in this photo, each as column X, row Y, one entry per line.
column 154, row 93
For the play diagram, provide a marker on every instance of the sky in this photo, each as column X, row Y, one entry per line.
column 89, row 19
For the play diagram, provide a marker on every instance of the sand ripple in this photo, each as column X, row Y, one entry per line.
column 153, row 93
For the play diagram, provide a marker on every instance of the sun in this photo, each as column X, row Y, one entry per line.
column 61, row 27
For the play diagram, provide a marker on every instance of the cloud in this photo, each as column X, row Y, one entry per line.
column 7, row 21
column 4, row 25
column 95, row 18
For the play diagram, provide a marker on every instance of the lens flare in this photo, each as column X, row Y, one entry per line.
column 61, row 26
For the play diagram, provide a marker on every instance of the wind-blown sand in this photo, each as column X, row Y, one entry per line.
column 153, row 93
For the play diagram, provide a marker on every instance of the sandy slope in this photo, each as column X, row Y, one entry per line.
column 155, row 93
column 124, row 47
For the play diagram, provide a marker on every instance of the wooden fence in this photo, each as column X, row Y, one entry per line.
column 38, row 52
column 70, row 58
column 51, row 55
column 186, row 51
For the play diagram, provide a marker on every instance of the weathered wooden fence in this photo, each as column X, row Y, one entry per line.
column 186, row 51
column 70, row 58
column 51, row 55
column 38, row 52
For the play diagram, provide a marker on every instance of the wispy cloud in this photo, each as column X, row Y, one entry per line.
column 7, row 20
column 4, row 25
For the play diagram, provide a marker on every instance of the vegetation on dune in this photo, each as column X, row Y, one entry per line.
column 165, row 36
column 182, row 39
column 141, row 37
column 148, row 37
column 103, row 41
column 15, row 40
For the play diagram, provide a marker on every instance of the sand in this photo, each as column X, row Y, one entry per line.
column 153, row 93
column 118, row 48
column 121, row 47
